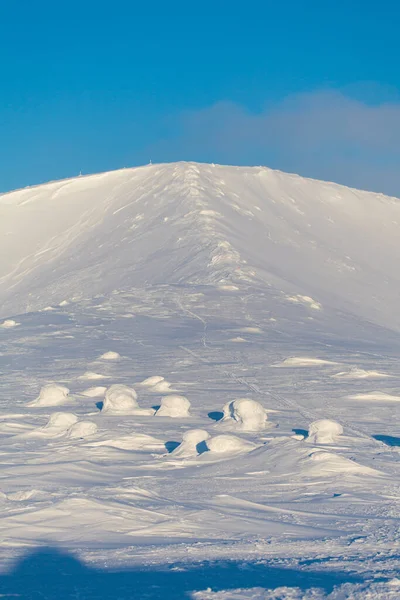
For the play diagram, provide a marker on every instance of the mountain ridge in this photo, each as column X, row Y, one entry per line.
column 197, row 224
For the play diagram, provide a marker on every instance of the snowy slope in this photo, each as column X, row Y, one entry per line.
column 216, row 284
column 190, row 223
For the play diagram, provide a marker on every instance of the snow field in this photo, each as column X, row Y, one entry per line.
column 191, row 256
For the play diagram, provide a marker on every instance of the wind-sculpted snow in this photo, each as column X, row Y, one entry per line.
column 51, row 394
column 201, row 364
column 321, row 245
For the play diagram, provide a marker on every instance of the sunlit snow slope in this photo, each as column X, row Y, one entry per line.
column 200, row 363
column 189, row 223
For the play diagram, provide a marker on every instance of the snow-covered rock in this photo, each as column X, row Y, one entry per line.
column 190, row 442
column 51, row 394
column 174, row 406
column 91, row 375
column 9, row 324
column 97, row 391
column 82, row 429
column 157, row 384
column 59, row 423
column 324, row 431
column 151, row 381
column 228, row 444
column 244, row 414
column 119, row 398
column 110, row 356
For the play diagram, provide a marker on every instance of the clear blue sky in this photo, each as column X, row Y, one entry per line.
column 306, row 86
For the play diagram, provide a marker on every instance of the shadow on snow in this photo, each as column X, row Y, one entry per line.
column 49, row 574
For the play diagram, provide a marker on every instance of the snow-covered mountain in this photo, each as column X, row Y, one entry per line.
column 200, row 363
column 188, row 223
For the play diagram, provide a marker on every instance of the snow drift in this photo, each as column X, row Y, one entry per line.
column 174, row 406
column 245, row 414
column 190, row 445
column 324, row 431
column 51, row 394
column 228, row 444
column 119, row 398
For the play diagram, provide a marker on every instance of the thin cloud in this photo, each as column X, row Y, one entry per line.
column 325, row 135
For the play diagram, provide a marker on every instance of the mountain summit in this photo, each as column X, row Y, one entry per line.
column 198, row 224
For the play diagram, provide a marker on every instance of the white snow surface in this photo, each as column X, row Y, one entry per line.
column 170, row 266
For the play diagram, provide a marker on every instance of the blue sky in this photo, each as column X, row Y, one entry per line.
column 311, row 87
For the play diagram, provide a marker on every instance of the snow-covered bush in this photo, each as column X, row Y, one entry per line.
column 190, row 441
column 110, row 356
column 245, row 414
column 51, row 394
column 97, row 391
column 174, row 406
column 221, row 444
column 82, row 429
column 59, row 422
column 9, row 323
column 151, row 381
column 324, row 431
column 156, row 383
column 119, row 398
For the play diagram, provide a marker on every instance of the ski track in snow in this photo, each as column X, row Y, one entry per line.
column 144, row 281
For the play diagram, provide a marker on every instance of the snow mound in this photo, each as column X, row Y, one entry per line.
column 325, row 463
column 9, row 324
column 151, row 381
column 305, row 301
column 135, row 441
column 82, row 429
column 245, row 414
column 304, row 361
column 110, row 356
column 59, row 423
column 190, row 442
column 95, row 392
column 119, row 398
column 158, row 384
column 360, row 374
column 228, row 444
column 91, row 375
column 163, row 387
column 324, row 431
column 51, row 394
column 174, row 406
column 375, row 396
